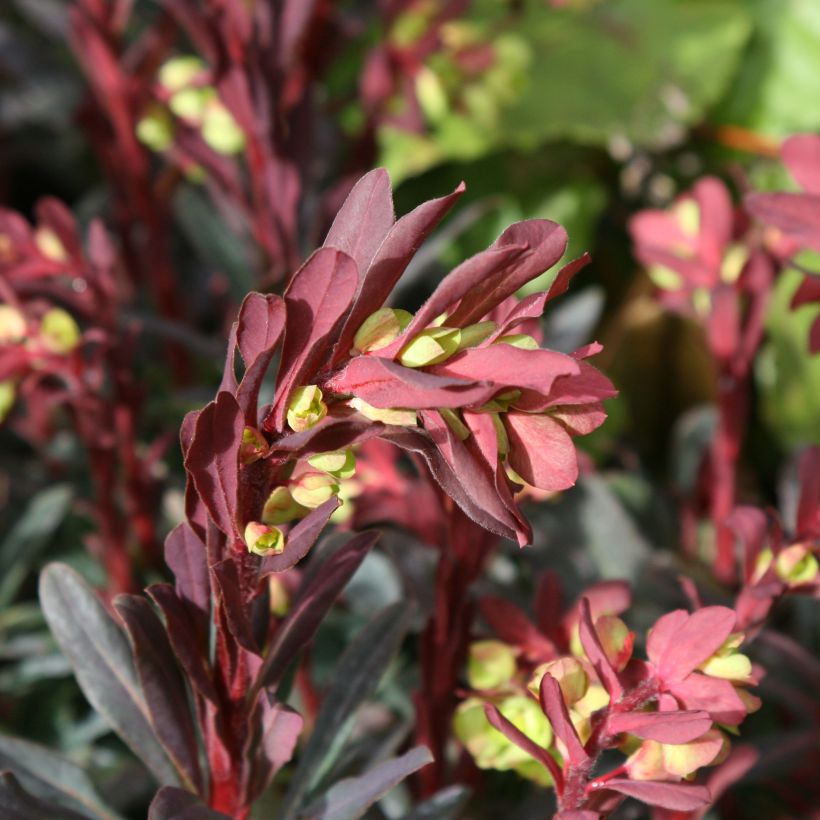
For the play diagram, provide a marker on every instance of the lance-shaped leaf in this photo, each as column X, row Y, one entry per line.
column 454, row 287
column 51, row 777
column 394, row 254
column 673, row 796
column 546, row 241
column 552, row 702
column 355, row 678
column 101, row 658
column 165, row 693
column 348, row 799
column 187, row 642
column 226, row 577
column 472, row 488
column 260, row 326
column 384, row 383
column 317, row 300
column 212, row 460
column 274, row 731
column 186, row 556
column 597, row 655
column 513, row 627
column 310, row 607
column 516, row 736
column 300, row 539
column 364, row 219
column 665, row 727
column 797, row 215
column 171, row 803
column 446, row 804
column 17, row 804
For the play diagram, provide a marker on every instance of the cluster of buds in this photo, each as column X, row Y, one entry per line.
column 185, row 97
column 549, row 711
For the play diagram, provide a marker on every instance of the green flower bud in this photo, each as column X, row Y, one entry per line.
column 702, row 301
column 473, row 335
column 521, row 340
column 278, row 595
column 796, row 565
column 455, row 423
column 281, row 507
column 490, row 664
column 687, row 212
column 664, row 278
column 8, row 393
column 380, row 329
column 306, row 408
column 733, row 261
column 191, row 103
column 59, row 332
column 727, row 662
column 221, row 131
column 431, row 346
column 395, row 416
column 49, row 244
column 570, row 674
column 263, row 540
column 180, row 72
column 340, row 463
column 13, row 325
column 502, row 439
column 254, row 446
column 313, row 489
column 156, row 129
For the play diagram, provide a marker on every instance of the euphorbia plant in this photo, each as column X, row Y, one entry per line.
column 483, row 406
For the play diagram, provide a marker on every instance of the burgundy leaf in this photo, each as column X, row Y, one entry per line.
column 676, row 796
column 665, row 727
column 546, row 241
column 275, row 729
column 516, row 736
column 186, row 556
column 300, row 539
column 310, row 607
column 506, row 366
column 387, row 384
column 512, row 626
column 229, row 383
column 541, row 451
column 317, row 300
column 455, row 286
column 698, row 638
column 226, row 575
column 212, row 460
column 364, row 219
column 808, row 505
column 171, row 803
column 186, row 642
column 552, row 702
column 801, row 155
column 163, row 688
column 394, row 254
column 596, row 654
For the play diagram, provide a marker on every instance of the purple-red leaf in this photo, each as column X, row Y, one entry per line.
column 541, row 451
column 797, row 215
column 552, row 702
column 163, row 688
column 394, row 254
column 212, row 460
column 317, row 300
column 311, row 605
column 387, row 384
column 516, row 736
column 300, row 539
column 364, row 219
column 665, row 727
column 675, row 796
column 171, row 803
column 186, row 556
column 596, row 654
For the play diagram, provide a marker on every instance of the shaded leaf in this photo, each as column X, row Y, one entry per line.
column 675, row 796
column 101, row 658
column 17, row 804
column 348, row 799
column 171, row 803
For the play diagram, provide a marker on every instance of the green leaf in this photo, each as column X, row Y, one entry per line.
column 51, row 777
column 356, row 677
column 29, row 536
column 101, row 658
column 350, row 798
column 778, row 75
